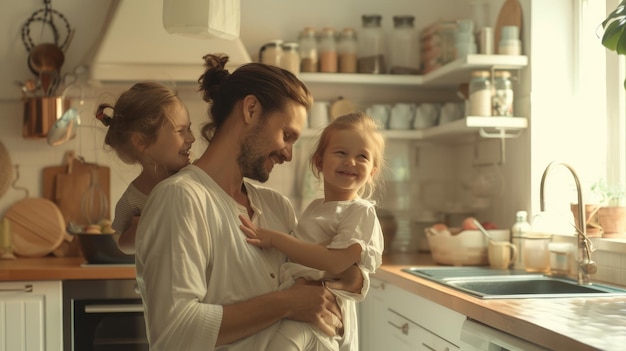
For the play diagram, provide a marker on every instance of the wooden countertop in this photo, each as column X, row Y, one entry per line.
column 597, row 323
column 65, row 268
column 555, row 323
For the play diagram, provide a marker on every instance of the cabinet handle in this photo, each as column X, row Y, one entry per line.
column 130, row 308
column 27, row 288
column 404, row 328
column 432, row 348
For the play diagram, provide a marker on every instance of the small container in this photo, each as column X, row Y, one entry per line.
column 404, row 46
column 510, row 44
column 290, row 57
column 270, row 52
column 560, row 258
column 536, row 252
column 371, row 43
column 307, row 46
column 518, row 230
column 328, row 51
column 347, row 48
column 502, row 100
column 480, row 94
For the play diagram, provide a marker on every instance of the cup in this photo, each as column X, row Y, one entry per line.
column 501, row 254
column 426, row 115
column 451, row 111
column 380, row 114
column 318, row 116
column 401, row 116
column 536, row 252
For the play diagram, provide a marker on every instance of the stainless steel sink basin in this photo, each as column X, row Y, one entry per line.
column 486, row 283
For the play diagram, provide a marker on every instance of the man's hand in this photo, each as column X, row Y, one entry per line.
column 312, row 303
column 350, row 280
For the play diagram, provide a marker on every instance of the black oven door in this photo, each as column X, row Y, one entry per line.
column 108, row 325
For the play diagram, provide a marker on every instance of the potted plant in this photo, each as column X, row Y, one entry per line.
column 612, row 212
column 614, row 26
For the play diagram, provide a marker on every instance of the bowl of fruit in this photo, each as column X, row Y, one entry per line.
column 464, row 246
column 98, row 246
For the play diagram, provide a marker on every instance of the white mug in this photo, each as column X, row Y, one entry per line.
column 318, row 116
column 380, row 114
column 401, row 116
column 426, row 115
column 451, row 111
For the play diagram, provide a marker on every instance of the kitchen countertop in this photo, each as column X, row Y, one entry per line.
column 555, row 323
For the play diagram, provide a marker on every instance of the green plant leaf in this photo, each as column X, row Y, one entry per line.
column 613, row 33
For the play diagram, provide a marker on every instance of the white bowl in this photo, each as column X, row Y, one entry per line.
column 467, row 248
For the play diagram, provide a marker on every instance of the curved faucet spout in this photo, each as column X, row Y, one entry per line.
column 586, row 266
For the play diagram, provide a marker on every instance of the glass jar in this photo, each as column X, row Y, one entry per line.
column 290, row 58
column 328, row 51
column 480, row 94
column 371, row 44
column 502, row 101
column 404, row 46
column 346, row 50
column 270, row 52
column 307, row 46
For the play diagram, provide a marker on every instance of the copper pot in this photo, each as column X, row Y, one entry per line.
column 40, row 113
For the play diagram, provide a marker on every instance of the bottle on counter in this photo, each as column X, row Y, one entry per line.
column 347, row 50
column 404, row 46
column 328, row 51
column 371, row 54
column 307, row 45
column 518, row 230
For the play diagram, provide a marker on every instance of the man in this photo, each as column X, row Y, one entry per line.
column 202, row 284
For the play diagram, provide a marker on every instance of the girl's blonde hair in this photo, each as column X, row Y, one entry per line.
column 142, row 109
column 366, row 125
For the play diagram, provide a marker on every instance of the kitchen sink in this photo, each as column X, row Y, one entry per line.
column 487, row 283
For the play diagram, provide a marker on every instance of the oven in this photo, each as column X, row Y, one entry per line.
column 103, row 315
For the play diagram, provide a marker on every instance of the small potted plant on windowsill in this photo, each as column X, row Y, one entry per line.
column 612, row 212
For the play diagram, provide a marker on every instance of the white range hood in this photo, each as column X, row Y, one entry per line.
column 135, row 46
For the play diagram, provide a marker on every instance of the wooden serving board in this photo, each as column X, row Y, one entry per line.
column 37, row 227
column 510, row 15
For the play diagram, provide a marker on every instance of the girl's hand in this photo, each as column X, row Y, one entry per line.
column 255, row 236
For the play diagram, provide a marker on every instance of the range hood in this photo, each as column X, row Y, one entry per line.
column 135, row 45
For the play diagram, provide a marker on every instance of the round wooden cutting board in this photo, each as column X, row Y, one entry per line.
column 37, row 227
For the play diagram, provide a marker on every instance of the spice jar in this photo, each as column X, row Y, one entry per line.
column 328, row 51
column 346, row 50
column 290, row 58
column 480, row 94
column 307, row 46
column 404, row 51
column 502, row 101
column 371, row 57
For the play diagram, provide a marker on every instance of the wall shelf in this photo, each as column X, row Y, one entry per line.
column 451, row 74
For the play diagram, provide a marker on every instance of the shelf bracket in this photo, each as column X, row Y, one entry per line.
column 502, row 133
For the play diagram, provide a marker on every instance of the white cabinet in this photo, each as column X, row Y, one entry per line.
column 391, row 318
column 31, row 317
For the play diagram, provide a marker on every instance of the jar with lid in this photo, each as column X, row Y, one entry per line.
column 404, row 46
column 328, row 51
column 502, row 101
column 270, row 52
column 346, row 50
column 307, row 46
column 480, row 94
column 371, row 44
column 290, row 58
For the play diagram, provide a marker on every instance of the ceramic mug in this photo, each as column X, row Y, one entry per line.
column 451, row 111
column 401, row 116
column 501, row 254
column 426, row 116
column 318, row 115
column 380, row 114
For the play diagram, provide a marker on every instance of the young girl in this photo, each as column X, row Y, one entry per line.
column 335, row 232
column 149, row 125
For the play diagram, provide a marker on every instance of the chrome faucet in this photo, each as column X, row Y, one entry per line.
column 586, row 266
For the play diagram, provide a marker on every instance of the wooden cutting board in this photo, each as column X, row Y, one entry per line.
column 37, row 227
column 510, row 15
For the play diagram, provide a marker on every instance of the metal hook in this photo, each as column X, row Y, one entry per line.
column 17, row 177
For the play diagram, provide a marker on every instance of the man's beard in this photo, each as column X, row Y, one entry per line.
column 250, row 160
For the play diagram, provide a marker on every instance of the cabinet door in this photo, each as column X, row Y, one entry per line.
column 31, row 316
column 372, row 318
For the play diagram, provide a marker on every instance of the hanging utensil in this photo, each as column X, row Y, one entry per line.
column 94, row 203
